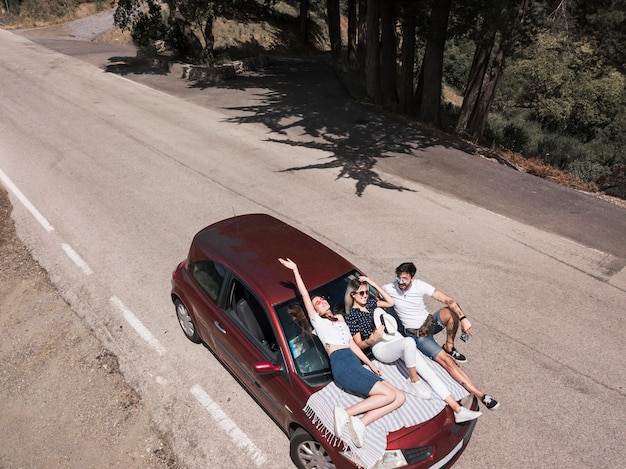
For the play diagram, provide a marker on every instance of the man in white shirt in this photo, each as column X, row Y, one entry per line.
column 408, row 294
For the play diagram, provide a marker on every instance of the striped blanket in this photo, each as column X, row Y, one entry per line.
column 319, row 409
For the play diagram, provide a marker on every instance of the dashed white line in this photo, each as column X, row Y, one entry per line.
column 22, row 198
column 235, row 433
column 230, row 427
column 76, row 259
column 143, row 332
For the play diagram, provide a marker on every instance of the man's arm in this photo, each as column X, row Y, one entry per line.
column 455, row 308
column 448, row 300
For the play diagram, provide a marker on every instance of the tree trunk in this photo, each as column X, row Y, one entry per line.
column 372, row 60
column 473, row 88
column 432, row 65
column 304, row 20
column 209, row 39
column 352, row 30
column 477, row 124
column 409, row 28
column 192, row 43
column 334, row 28
column 481, row 89
column 388, row 72
column 361, row 48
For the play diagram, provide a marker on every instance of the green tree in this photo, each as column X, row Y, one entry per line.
column 604, row 23
column 502, row 29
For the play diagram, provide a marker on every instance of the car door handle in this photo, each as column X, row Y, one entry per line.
column 219, row 327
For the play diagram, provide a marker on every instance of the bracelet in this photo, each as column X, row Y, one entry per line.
column 462, row 317
column 367, row 341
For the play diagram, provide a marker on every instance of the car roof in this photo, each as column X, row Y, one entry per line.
column 250, row 246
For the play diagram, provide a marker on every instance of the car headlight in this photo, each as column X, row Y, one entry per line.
column 391, row 459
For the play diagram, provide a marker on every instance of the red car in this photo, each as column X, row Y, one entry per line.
column 232, row 294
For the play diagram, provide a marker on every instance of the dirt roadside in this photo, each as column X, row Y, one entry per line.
column 63, row 400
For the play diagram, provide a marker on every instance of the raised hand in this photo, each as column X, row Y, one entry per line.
column 288, row 263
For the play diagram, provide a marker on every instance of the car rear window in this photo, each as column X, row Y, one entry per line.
column 209, row 275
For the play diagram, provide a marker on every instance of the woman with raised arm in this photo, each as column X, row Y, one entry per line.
column 380, row 397
column 361, row 309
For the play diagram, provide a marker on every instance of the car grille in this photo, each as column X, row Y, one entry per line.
column 415, row 455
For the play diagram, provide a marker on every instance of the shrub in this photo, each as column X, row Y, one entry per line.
column 516, row 135
column 587, row 170
column 614, row 183
column 494, row 130
column 449, row 116
column 560, row 151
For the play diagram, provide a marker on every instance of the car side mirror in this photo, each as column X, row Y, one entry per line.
column 265, row 368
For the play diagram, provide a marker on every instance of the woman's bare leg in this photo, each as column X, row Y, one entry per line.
column 383, row 399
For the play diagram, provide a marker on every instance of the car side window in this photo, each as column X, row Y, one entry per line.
column 249, row 314
column 210, row 276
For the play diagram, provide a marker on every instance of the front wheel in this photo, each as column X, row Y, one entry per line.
column 186, row 322
column 307, row 453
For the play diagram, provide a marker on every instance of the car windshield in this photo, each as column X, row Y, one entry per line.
column 308, row 354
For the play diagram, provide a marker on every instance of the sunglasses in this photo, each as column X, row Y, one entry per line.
column 402, row 280
column 362, row 293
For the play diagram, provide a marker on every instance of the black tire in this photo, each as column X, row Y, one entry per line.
column 186, row 322
column 307, row 453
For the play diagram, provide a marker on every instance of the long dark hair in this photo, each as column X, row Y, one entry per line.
column 353, row 286
column 299, row 317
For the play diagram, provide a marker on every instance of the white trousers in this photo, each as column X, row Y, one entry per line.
column 404, row 347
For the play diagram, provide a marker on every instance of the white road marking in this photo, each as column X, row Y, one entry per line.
column 25, row 202
column 235, row 433
column 231, row 429
column 143, row 332
column 76, row 259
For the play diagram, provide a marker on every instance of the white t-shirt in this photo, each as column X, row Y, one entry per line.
column 331, row 332
column 410, row 304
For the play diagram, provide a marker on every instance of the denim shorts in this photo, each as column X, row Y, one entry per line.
column 428, row 345
column 349, row 373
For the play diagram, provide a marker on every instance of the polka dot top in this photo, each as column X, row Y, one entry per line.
column 361, row 321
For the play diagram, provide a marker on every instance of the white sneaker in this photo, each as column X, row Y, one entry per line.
column 357, row 431
column 465, row 415
column 341, row 418
column 421, row 389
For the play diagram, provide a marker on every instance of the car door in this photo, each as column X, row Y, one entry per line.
column 247, row 338
column 209, row 278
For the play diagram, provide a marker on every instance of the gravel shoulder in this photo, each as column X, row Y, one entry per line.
column 63, row 401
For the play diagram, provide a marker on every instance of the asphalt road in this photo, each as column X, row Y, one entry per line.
column 125, row 173
column 309, row 89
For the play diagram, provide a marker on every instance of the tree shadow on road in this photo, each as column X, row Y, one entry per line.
column 302, row 100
